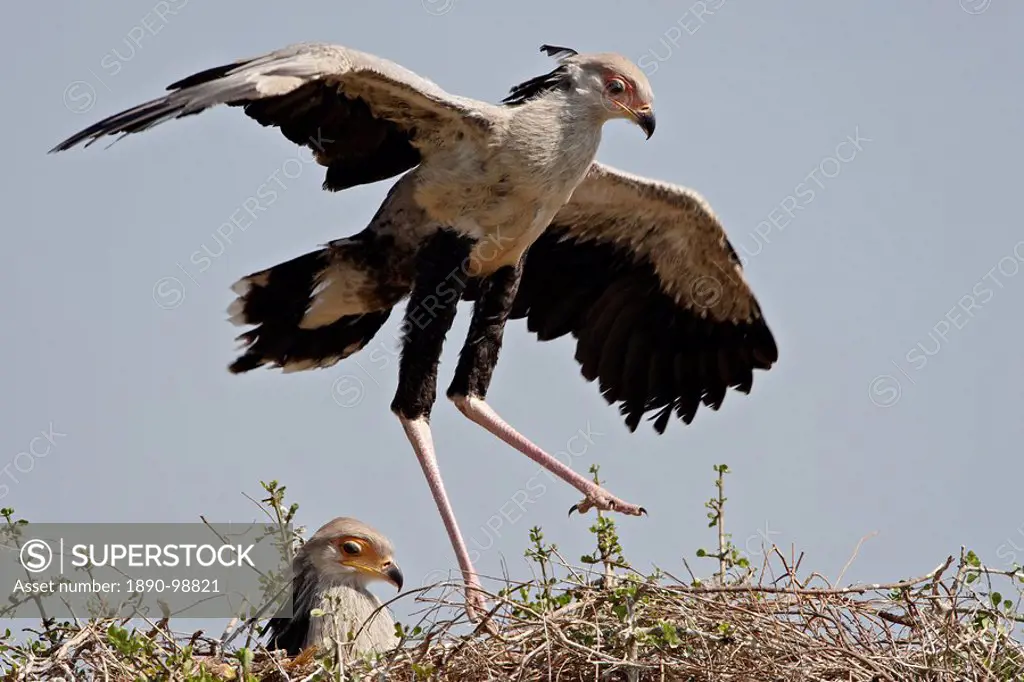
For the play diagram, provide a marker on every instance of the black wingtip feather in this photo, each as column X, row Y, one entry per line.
column 206, row 75
column 246, row 363
column 128, row 121
column 661, row 419
column 634, row 414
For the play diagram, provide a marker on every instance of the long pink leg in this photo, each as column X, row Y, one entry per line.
column 428, row 317
column 418, row 432
column 473, row 375
column 483, row 414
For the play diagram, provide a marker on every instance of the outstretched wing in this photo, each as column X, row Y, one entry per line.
column 365, row 118
column 641, row 273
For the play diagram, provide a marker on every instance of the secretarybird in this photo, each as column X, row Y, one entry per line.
column 331, row 572
column 503, row 205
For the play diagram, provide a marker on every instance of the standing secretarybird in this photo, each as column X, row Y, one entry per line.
column 503, row 205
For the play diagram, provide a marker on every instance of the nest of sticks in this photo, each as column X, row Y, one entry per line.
column 951, row 624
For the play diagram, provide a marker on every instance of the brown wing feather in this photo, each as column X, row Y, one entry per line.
column 642, row 275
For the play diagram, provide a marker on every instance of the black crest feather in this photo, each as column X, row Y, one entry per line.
column 536, row 87
column 558, row 52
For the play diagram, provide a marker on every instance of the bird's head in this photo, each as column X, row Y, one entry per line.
column 613, row 83
column 348, row 551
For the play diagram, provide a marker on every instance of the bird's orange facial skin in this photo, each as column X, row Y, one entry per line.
column 356, row 552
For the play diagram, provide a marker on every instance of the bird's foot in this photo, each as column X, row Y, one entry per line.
column 478, row 610
column 601, row 499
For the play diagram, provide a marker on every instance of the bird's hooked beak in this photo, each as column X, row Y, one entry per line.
column 390, row 572
column 386, row 570
column 393, row 575
column 645, row 119
column 644, row 116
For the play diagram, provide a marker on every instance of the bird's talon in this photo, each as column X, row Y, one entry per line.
column 608, row 504
column 581, row 507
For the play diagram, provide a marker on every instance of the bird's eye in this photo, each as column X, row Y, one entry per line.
column 616, row 87
column 350, row 547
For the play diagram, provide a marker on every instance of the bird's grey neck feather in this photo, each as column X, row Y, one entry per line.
column 347, row 605
column 564, row 125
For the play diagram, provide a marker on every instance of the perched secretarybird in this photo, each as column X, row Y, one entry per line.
column 503, row 205
column 331, row 572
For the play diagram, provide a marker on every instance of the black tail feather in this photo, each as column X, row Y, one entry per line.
column 275, row 302
column 297, row 349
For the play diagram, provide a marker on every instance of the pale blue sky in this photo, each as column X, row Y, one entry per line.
column 754, row 103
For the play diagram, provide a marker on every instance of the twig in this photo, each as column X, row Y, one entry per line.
column 856, row 550
column 853, row 589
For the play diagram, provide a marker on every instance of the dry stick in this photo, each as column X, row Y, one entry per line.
column 856, row 550
column 338, row 652
column 721, row 526
column 255, row 617
column 312, row 675
column 788, row 572
column 225, row 541
column 996, row 571
column 686, row 565
column 106, row 673
column 571, row 569
column 79, row 638
column 852, row 589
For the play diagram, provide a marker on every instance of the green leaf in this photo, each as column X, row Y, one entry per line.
column 244, row 657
